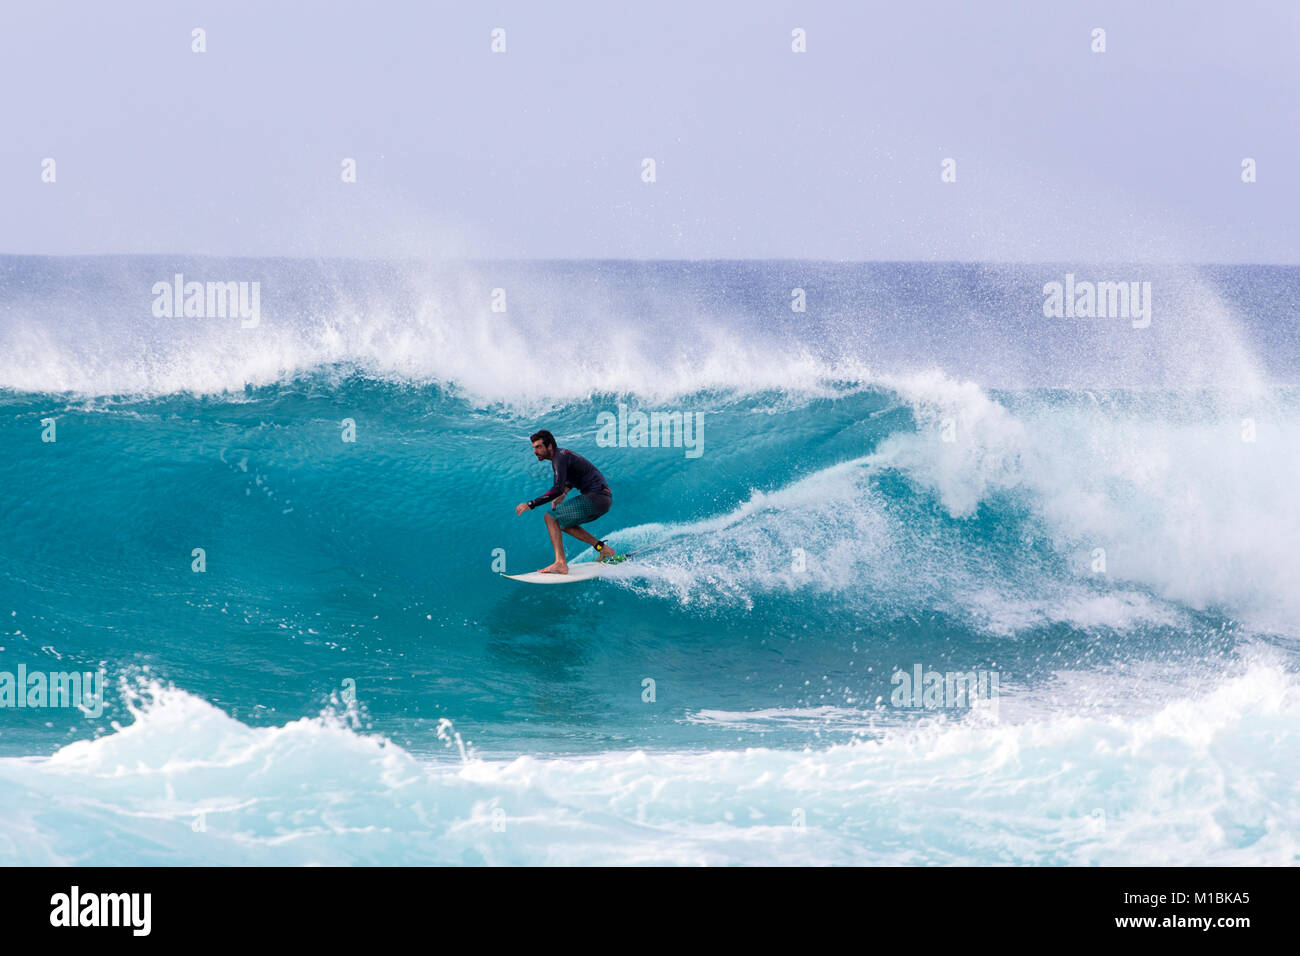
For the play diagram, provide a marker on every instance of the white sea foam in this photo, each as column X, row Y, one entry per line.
column 574, row 329
column 1204, row 779
column 1124, row 513
column 1161, row 487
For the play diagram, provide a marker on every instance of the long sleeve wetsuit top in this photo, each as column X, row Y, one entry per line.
column 571, row 471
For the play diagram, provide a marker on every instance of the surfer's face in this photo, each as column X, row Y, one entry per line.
column 540, row 450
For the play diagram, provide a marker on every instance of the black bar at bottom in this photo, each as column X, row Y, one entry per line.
column 332, row 905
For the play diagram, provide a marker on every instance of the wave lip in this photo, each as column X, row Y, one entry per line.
column 498, row 331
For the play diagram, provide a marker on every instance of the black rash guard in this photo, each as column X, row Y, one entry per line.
column 572, row 471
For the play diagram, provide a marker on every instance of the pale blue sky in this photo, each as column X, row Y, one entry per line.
column 1061, row 153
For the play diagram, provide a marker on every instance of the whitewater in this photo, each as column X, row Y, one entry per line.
column 311, row 658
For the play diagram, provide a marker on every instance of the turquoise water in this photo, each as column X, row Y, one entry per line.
column 920, row 470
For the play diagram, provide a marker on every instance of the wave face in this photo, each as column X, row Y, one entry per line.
column 919, row 474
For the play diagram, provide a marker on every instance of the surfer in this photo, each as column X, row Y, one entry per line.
column 594, row 499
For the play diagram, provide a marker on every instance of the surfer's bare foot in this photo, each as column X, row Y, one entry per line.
column 559, row 567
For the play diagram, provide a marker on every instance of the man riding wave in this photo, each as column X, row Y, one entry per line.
column 594, row 499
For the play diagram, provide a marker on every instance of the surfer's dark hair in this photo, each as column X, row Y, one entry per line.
column 547, row 438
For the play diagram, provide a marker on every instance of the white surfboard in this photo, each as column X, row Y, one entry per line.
column 577, row 572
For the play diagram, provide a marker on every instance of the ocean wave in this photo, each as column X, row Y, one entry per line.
column 1202, row 780
column 530, row 333
column 1016, row 511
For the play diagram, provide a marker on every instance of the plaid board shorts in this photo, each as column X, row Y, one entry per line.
column 583, row 508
